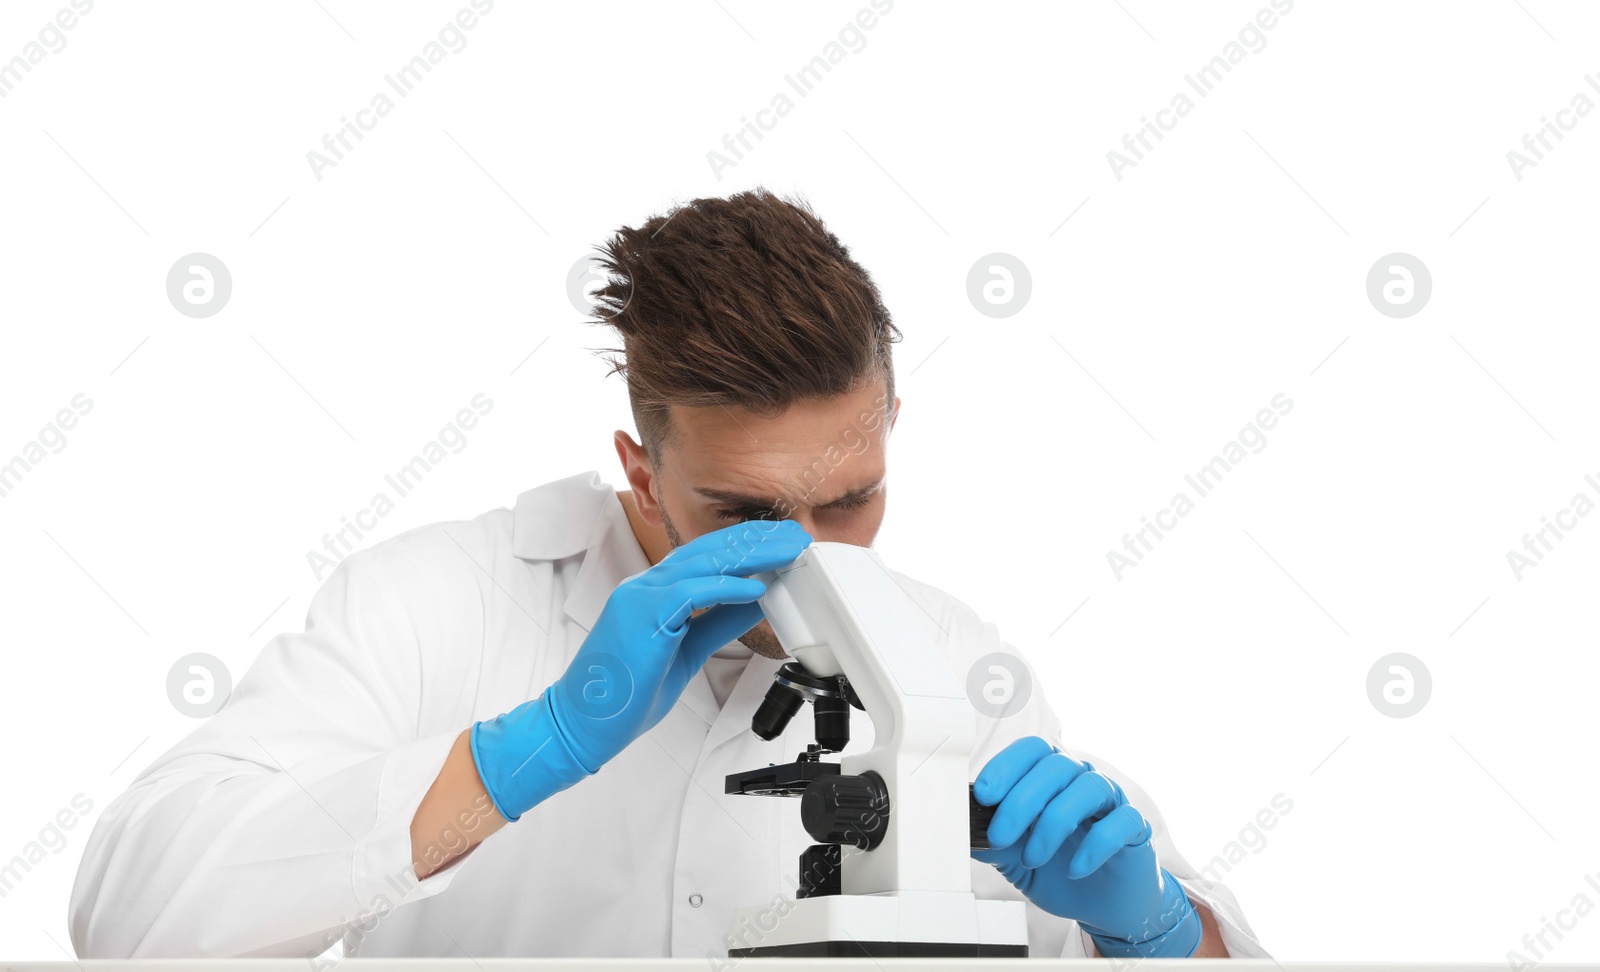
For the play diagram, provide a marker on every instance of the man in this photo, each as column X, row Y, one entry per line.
column 508, row 735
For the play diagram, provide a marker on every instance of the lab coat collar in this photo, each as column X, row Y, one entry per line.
column 560, row 518
column 579, row 514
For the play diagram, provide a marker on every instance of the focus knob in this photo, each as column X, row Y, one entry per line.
column 840, row 809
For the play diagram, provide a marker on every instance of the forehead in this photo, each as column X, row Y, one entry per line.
column 838, row 437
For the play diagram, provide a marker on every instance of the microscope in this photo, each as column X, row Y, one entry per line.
column 890, row 874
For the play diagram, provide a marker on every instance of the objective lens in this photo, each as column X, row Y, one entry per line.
column 833, row 723
column 773, row 714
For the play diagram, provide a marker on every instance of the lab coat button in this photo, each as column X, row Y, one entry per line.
column 695, row 900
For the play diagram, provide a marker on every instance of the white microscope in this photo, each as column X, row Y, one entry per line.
column 905, row 806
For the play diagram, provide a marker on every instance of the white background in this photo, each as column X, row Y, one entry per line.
column 371, row 305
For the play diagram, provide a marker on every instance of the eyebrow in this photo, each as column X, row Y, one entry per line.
column 743, row 501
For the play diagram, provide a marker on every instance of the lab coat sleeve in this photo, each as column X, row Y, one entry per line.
column 286, row 816
column 970, row 644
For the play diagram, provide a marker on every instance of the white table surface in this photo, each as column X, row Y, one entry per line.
column 746, row 965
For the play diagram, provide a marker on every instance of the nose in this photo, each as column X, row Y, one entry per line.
column 807, row 523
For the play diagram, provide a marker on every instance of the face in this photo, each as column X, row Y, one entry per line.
column 823, row 463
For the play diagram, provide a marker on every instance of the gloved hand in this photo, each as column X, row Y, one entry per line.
column 1067, row 838
column 632, row 667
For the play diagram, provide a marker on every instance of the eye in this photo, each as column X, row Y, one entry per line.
column 753, row 514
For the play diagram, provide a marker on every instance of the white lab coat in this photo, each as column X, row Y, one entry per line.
column 280, row 826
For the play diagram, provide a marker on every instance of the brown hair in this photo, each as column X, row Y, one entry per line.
column 746, row 301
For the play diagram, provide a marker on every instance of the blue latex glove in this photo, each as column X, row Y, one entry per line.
column 634, row 665
column 1066, row 836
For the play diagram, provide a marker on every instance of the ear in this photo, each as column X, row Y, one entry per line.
column 894, row 416
column 641, row 476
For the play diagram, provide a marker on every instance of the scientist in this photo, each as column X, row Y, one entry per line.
column 507, row 736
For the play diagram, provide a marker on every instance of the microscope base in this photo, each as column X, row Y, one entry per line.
column 906, row 925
